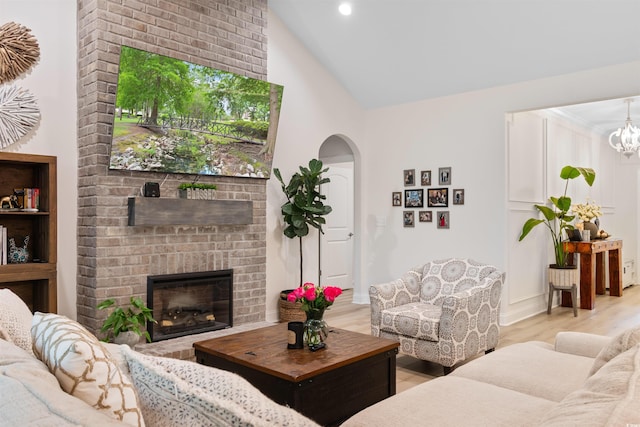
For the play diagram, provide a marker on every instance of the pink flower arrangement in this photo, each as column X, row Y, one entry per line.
column 314, row 297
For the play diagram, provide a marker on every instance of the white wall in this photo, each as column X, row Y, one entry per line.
column 314, row 107
column 53, row 82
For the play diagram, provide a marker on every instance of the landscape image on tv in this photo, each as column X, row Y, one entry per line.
column 175, row 116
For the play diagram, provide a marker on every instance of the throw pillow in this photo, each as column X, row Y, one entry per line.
column 608, row 398
column 177, row 392
column 84, row 367
column 15, row 320
column 619, row 344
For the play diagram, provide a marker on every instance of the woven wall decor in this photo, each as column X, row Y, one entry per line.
column 19, row 50
column 18, row 114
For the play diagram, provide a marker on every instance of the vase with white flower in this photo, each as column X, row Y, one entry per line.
column 315, row 300
column 587, row 212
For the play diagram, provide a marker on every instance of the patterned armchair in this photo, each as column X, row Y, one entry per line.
column 445, row 311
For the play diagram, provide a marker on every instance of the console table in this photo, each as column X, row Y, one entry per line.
column 592, row 258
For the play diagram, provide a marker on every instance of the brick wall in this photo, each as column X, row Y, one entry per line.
column 114, row 259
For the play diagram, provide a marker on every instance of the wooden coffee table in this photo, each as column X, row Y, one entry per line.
column 353, row 372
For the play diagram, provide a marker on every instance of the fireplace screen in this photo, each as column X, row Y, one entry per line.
column 190, row 303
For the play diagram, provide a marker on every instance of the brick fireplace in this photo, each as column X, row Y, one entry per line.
column 114, row 259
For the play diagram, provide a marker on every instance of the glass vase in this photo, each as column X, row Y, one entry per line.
column 315, row 328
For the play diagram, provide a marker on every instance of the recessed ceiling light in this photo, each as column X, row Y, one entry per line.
column 345, row 9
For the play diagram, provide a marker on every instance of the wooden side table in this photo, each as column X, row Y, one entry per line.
column 592, row 258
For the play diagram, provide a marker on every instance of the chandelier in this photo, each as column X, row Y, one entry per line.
column 628, row 137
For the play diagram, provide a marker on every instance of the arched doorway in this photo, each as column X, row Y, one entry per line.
column 339, row 245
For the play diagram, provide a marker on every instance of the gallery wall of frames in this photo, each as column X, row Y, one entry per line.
column 425, row 197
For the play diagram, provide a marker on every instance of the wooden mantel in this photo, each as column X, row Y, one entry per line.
column 166, row 211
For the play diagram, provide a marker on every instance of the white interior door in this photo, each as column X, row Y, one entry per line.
column 336, row 245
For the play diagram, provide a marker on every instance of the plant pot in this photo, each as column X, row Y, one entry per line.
column 563, row 276
column 129, row 338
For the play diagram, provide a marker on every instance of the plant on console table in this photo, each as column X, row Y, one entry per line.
column 304, row 206
column 557, row 218
column 315, row 300
column 125, row 326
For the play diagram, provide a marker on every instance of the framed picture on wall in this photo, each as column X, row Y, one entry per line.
column 443, row 219
column 438, row 197
column 425, row 216
column 407, row 219
column 413, row 198
column 396, row 198
column 458, row 197
column 425, row 178
column 409, row 177
column 444, row 176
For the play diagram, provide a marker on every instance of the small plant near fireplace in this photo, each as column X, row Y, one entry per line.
column 130, row 319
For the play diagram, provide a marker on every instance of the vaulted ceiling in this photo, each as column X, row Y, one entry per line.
column 390, row 52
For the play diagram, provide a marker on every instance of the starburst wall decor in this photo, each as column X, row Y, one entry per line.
column 19, row 50
column 18, row 114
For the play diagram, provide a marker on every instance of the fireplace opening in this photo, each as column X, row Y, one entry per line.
column 189, row 303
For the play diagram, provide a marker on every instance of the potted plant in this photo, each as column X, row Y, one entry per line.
column 196, row 190
column 557, row 218
column 304, row 206
column 125, row 326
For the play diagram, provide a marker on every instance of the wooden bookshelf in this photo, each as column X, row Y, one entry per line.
column 34, row 281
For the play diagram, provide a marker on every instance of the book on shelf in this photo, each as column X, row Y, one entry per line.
column 3, row 245
column 28, row 198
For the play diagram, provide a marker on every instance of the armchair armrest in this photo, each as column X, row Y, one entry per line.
column 481, row 302
column 580, row 343
column 391, row 294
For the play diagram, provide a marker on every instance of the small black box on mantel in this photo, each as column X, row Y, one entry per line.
column 151, row 189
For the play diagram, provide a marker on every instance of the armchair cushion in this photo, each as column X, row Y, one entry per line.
column 446, row 277
column 417, row 320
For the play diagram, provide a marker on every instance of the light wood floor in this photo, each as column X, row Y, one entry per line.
column 611, row 316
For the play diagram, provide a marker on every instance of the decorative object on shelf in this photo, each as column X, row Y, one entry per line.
column 19, row 254
column 315, row 300
column 18, row 114
column 132, row 319
column 586, row 212
column 628, row 136
column 557, row 218
column 10, row 202
column 19, row 50
column 197, row 191
column 304, row 206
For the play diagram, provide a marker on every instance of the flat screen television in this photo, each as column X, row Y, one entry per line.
column 177, row 117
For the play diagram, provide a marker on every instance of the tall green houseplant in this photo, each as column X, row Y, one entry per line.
column 304, row 206
column 557, row 218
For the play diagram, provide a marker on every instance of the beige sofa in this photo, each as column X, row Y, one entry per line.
column 582, row 380
column 53, row 372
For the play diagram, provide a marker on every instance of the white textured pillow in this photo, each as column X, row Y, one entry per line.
column 15, row 320
column 608, row 398
column 619, row 344
column 176, row 392
column 84, row 368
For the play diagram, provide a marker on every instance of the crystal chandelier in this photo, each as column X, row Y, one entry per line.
column 628, row 137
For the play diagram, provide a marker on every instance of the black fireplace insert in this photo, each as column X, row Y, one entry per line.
column 189, row 303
